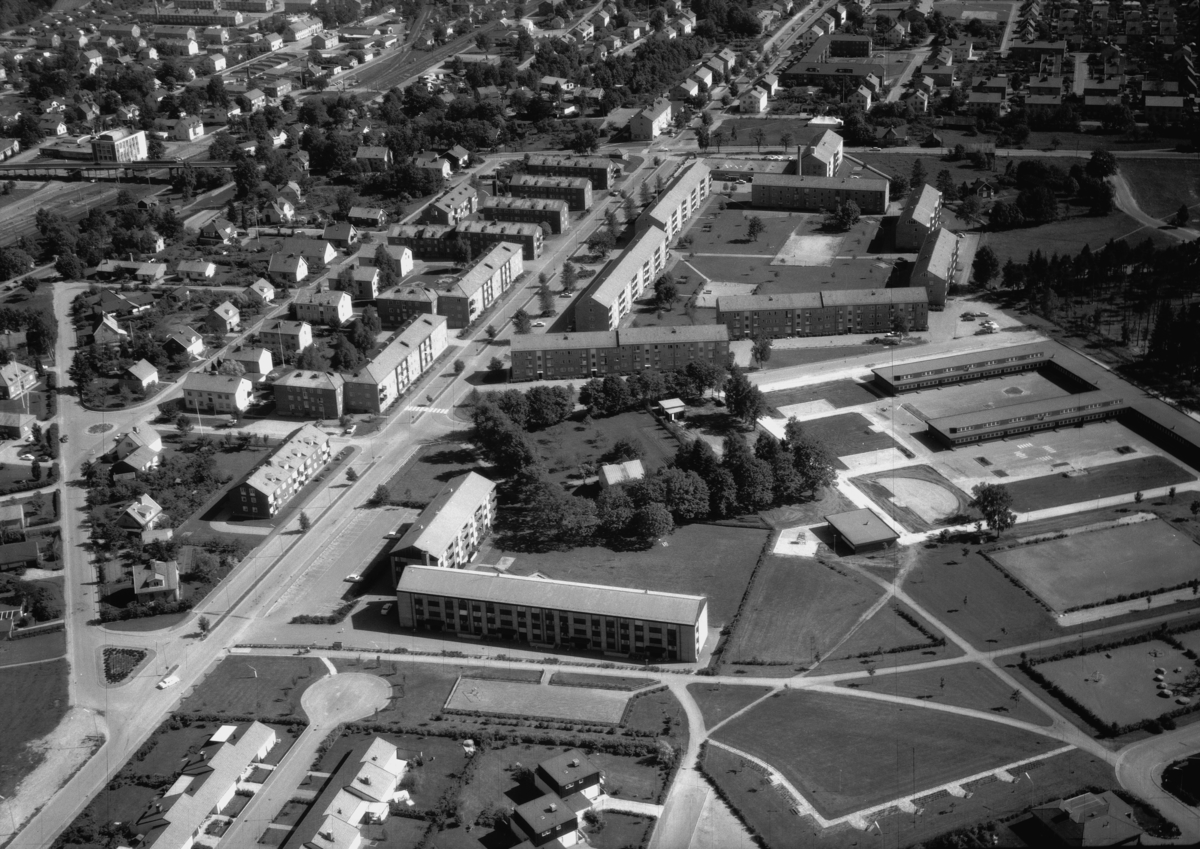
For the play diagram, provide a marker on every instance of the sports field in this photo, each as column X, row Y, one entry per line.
column 916, row 496
column 1119, row 685
column 1104, row 481
column 846, row 753
column 847, row 434
column 1099, row 565
column 1003, row 391
column 512, row 698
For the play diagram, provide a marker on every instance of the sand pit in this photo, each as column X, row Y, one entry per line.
column 927, row 499
column 713, row 290
column 807, row 409
column 809, row 250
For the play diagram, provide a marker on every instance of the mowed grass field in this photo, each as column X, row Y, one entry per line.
column 797, row 612
column 32, row 701
column 710, row 560
column 968, row 685
column 884, row 631
column 786, row 357
column 1099, row 565
column 265, row 687
column 846, row 753
column 513, row 698
column 430, row 469
column 1105, row 481
column 718, row 702
column 838, row 394
column 1065, row 236
column 847, row 434
column 1118, row 685
column 1160, row 187
column 1062, row 776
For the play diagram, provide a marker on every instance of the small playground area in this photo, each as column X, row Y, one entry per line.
column 1096, row 566
column 513, row 698
column 1005, row 391
column 802, row 249
column 1122, row 685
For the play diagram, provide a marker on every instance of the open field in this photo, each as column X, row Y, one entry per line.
column 265, row 687
column 836, row 395
column 30, row 649
column 1104, row 481
column 1118, row 685
column 1062, row 776
column 32, row 700
column 845, row 754
column 710, row 560
column 797, row 611
column 1068, row 235
column 968, row 685
column 1020, row 388
column 513, row 698
column 1159, row 188
column 883, row 631
column 718, row 702
column 1100, row 565
column 846, row 434
column 431, row 467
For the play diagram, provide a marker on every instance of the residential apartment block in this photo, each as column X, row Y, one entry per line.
column 813, row 194
column 215, row 393
column 400, row 305
column 920, row 217
column 449, row 531
column 462, row 301
column 440, row 241
column 562, row 356
column 389, row 374
column 278, row 478
column 600, row 171
column 482, row 235
column 333, row 308
column 454, row 206
column 651, row 122
column 286, row 338
column 554, row 213
column 309, row 394
column 680, row 201
column 823, row 313
column 554, row 614
column 611, row 295
column 576, row 191
column 937, row 266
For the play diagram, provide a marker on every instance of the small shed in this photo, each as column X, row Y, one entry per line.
column 618, row 473
column 862, row 530
column 672, row 408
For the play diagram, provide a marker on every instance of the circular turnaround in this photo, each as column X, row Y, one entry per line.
column 345, row 698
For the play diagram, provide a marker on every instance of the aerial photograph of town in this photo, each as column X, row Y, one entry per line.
column 629, row 424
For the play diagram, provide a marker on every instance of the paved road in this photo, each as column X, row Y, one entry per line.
column 1128, row 204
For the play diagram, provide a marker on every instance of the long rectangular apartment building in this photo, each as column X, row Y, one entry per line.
column 1047, row 414
column 813, row 194
column 450, row 530
column 555, row 213
column 921, row 217
column 405, row 357
column 487, row 280
column 600, row 171
column 961, row 368
column 937, row 266
column 681, row 200
column 554, row 614
column 585, row 355
column 576, row 191
column 823, row 313
column 611, row 295
column 273, row 484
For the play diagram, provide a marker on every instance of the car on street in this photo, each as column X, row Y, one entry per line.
column 354, row 577
column 876, row 150
column 350, row 429
column 386, row 609
column 539, row 324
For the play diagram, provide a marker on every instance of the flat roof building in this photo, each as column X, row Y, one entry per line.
column 555, row 614
column 862, row 530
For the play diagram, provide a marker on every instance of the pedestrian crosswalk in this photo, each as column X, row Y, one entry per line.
column 423, row 409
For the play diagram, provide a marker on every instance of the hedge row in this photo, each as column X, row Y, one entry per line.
column 335, row 618
column 1117, row 599
column 728, row 630
column 109, row 613
column 1019, row 585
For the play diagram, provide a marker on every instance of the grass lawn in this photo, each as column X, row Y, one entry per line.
column 1062, row 776
column 32, row 701
column 41, row 647
column 967, row 685
column 847, row 434
column 443, row 758
column 718, row 702
column 513, row 698
column 630, row 778
column 838, row 394
column 798, row 609
column 611, row 682
column 710, row 560
column 1104, row 481
column 569, row 444
column 658, row 713
column 885, row 630
column 620, row 831
column 1118, row 685
column 430, row 469
column 1160, row 187
column 1068, row 235
column 1101, row 565
column 266, row 687
column 772, row 127
column 845, row 754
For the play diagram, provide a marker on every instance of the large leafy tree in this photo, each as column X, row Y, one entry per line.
column 994, row 503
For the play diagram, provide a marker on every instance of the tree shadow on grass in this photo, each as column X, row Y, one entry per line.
column 461, row 456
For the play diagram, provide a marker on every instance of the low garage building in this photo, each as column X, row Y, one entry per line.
column 863, row 531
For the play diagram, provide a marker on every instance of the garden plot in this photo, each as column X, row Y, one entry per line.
column 1098, row 566
column 512, row 698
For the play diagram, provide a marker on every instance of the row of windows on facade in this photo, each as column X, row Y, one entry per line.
column 1041, row 417
column 970, row 366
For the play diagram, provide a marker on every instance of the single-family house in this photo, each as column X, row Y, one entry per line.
column 142, row 514
column 216, row 393
column 287, row 268
column 157, row 580
column 261, row 291
column 224, row 318
column 196, row 269
column 140, row 376
column 184, row 340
